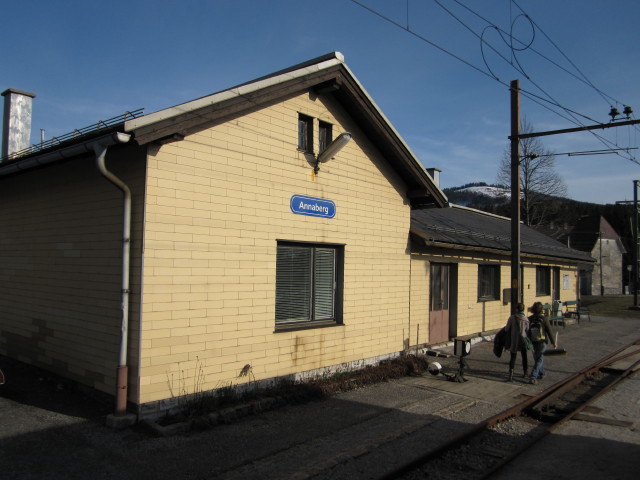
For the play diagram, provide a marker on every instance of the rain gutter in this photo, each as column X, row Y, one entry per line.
column 100, row 147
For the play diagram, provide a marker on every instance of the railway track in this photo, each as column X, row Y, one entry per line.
column 499, row 440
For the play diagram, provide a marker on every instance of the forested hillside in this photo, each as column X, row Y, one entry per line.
column 561, row 215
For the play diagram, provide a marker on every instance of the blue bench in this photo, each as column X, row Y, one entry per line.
column 573, row 309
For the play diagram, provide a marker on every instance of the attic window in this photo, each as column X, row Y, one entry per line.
column 324, row 138
column 305, row 133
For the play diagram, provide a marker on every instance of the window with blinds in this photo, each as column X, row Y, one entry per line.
column 307, row 284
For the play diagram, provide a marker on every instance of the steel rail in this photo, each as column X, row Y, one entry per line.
column 554, row 426
column 463, row 437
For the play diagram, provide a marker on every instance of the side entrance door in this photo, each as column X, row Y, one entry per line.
column 439, row 305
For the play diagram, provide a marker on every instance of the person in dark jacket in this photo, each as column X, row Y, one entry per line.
column 517, row 328
column 540, row 333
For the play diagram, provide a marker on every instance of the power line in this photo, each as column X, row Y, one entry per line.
column 518, row 67
column 586, row 80
column 424, row 39
column 532, row 96
column 529, row 46
column 457, row 57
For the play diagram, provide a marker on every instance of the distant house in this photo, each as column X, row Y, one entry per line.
column 593, row 234
column 278, row 228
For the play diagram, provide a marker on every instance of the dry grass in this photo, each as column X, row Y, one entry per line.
column 300, row 392
column 611, row 305
column 396, row 368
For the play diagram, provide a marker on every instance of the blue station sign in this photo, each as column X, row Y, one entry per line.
column 314, row 207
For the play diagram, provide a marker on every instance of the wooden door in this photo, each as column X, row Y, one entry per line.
column 439, row 305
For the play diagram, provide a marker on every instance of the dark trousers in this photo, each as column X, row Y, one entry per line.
column 523, row 353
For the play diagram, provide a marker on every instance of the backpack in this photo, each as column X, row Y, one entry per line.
column 536, row 330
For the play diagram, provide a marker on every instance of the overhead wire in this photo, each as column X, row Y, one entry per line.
column 518, row 66
column 601, row 138
column 582, row 78
column 433, row 44
column 489, row 73
column 586, row 79
column 608, row 99
column 424, row 39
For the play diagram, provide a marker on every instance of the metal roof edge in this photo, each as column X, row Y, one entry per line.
column 295, row 72
column 475, row 210
column 498, row 251
column 421, row 168
column 72, row 150
column 323, row 63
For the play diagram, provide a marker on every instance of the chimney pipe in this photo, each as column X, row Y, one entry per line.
column 434, row 173
column 16, row 130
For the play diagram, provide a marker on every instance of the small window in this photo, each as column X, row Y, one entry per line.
column 308, row 285
column 324, row 136
column 543, row 281
column 488, row 282
column 305, row 133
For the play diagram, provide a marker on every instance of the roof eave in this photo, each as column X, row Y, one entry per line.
column 430, row 242
column 328, row 74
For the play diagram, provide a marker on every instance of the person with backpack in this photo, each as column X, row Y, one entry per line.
column 516, row 329
column 540, row 333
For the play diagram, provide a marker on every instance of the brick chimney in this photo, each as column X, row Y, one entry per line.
column 16, row 126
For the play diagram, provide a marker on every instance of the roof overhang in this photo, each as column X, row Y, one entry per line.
column 444, row 246
column 325, row 75
column 73, row 149
column 460, row 228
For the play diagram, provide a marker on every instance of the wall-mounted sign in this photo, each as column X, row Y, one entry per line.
column 315, row 207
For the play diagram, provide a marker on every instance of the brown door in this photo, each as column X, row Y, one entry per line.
column 439, row 307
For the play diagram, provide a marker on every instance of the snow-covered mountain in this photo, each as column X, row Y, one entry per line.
column 489, row 191
column 478, row 194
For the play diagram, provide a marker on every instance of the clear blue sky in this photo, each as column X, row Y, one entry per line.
column 88, row 60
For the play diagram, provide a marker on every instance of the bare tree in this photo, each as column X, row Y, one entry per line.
column 538, row 177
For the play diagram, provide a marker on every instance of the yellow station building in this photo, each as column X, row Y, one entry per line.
column 281, row 227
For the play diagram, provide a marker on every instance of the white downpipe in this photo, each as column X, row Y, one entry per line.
column 100, row 150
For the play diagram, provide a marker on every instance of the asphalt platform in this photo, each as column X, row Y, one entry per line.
column 50, row 430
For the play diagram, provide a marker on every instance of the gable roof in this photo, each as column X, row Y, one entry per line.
column 465, row 228
column 584, row 236
column 327, row 74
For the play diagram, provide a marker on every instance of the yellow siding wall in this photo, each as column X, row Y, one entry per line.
column 60, row 257
column 473, row 316
column 420, row 297
column 217, row 204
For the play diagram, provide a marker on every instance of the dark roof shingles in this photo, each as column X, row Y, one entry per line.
column 469, row 228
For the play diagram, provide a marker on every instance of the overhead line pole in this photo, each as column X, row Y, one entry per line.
column 515, row 138
column 515, row 195
column 635, row 246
